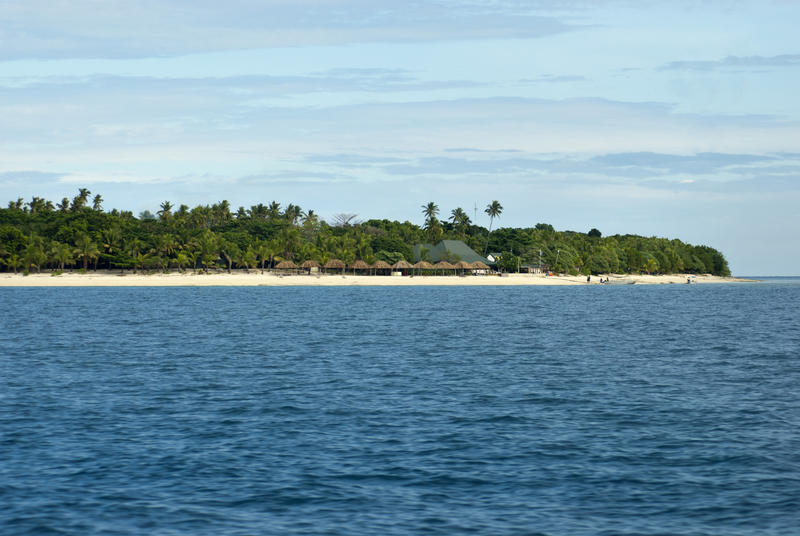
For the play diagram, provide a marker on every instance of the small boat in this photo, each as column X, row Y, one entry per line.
column 619, row 282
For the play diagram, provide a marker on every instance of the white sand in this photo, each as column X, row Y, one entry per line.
column 255, row 278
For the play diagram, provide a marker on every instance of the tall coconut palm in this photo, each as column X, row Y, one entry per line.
column 80, row 200
column 97, row 202
column 37, row 204
column 111, row 239
column 221, row 212
column 258, row 212
column 134, row 248
column 431, row 210
column 209, row 249
column 229, row 251
column 181, row 260
column 165, row 244
column 62, row 254
column 247, row 258
column 86, row 248
column 493, row 209
column 34, row 253
column 460, row 219
column 274, row 210
column 166, row 211
column 14, row 262
column 292, row 213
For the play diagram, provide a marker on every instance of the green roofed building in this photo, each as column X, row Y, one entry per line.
column 450, row 251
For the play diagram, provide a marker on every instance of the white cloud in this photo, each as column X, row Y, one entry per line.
column 148, row 28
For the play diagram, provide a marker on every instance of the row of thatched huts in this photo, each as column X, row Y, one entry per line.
column 381, row 266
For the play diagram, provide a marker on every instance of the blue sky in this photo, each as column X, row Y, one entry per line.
column 676, row 119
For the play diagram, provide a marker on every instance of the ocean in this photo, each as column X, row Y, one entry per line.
column 620, row 410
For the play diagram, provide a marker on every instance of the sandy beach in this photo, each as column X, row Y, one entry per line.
column 271, row 279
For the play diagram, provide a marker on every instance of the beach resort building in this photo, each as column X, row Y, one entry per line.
column 447, row 250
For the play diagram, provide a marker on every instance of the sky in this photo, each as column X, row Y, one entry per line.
column 678, row 119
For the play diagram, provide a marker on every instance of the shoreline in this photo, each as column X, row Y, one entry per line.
column 272, row 279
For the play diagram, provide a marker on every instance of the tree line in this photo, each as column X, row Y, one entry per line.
column 79, row 234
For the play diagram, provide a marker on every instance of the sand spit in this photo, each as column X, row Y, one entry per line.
column 271, row 279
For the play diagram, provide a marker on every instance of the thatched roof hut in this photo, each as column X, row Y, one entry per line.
column 335, row 264
column 359, row 265
column 462, row 265
column 422, row 265
column 478, row 265
column 310, row 264
column 286, row 265
column 443, row 265
column 402, row 265
column 381, row 265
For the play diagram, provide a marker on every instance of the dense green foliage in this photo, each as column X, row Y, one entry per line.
column 78, row 233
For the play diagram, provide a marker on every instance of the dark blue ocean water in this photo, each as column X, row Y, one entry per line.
column 668, row 409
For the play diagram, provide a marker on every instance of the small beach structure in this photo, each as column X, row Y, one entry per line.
column 448, row 250
column 443, row 265
column 287, row 266
column 384, row 266
column 358, row 265
column 334, row 264
column 463, row 266
column 310, row 265
column 422, row 265
column 481, row 267
column 402, row 266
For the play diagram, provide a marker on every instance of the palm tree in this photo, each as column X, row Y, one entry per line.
column 165, row 244
column 274, row 210
column 36, row 204
column 34, row 253
column 97, row 202
column 86, row 248
column 14, row 262
column 493, row 209
column 262, row 251
column 247, row 258
column 209, row 249
column 166, row 211
column 292, row 213
column 258, row 212
column 134, row 248
column 230, row 251
column 221, row 212
column 111, row 239
column 62, row 254
column 431, row 210
column 79, row 201
column 182, row 260
column 460, row 219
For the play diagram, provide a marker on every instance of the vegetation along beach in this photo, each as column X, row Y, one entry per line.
column 75, row 242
